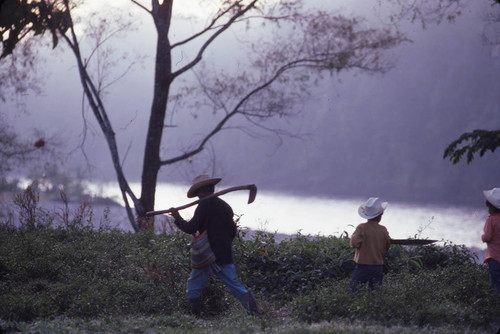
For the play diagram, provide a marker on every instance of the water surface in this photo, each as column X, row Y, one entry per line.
column 276, row 212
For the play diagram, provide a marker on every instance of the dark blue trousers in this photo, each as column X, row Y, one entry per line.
column 494, row 267
column 371, row 273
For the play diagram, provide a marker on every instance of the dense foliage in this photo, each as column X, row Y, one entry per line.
column 457, row 294
column 77, row 271
column 86, row 273
column 470, row 143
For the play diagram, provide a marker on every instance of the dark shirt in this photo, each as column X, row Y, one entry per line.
column 218, row 216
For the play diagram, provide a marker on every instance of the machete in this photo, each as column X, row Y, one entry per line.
column 251, row 197
column 411, row 242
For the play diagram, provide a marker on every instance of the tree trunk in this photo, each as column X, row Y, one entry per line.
column 163, row 70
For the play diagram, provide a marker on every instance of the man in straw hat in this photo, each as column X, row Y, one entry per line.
column 491, row 236
column 216, row 217
column 371, row 241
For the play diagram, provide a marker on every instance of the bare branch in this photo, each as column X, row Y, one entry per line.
column 212, row 38
column 224, row 120
column 424, row 11
column 99, row 111
column 208, row 28
column 141, row 6
column 325, row 44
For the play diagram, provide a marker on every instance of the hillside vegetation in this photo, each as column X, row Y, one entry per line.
column 68, row 276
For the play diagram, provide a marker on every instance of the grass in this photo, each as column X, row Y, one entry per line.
column 235, row 323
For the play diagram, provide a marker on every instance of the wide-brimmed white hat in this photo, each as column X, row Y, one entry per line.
column 493, row 196
column 199, row 182
column 372, row 208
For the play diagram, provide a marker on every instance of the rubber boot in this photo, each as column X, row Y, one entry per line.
column 195, row 304
column 249, row 303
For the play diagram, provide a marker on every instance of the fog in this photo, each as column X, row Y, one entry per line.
column 358, row 135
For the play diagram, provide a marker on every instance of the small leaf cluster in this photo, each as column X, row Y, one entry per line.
column 20, row 17
column 471, row 143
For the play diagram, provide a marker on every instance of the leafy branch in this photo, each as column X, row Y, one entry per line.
column 471, row 143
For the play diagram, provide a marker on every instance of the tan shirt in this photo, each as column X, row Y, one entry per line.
column 371, row 242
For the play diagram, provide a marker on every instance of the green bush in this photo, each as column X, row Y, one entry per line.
column 414, row 258
column 85, row 273
column 459, row 294
column 77, row 271
column 300, row 264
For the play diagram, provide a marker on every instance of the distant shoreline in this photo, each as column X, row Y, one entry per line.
column 118, row 218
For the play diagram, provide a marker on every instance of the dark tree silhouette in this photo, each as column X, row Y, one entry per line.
column 470, row 143
column 477, row 141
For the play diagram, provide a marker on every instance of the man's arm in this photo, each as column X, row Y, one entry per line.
column 188, row 227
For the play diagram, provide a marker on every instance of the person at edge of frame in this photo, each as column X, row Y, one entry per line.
column 491, row 236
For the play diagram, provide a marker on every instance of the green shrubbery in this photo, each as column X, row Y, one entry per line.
column 458, row 295
column 87, row 273
column 75, row 270
column 300, row 264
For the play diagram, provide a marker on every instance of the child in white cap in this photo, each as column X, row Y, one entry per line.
column 371, row 241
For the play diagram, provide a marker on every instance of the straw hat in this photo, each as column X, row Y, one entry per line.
column 372, row 208
column 199, row 182
column 493, row 196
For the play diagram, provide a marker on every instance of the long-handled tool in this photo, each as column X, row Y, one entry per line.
column 412, row 242
column 251, row 197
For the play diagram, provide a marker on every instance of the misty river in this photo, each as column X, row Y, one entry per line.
column 288, row 214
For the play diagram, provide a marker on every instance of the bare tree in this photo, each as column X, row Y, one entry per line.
column 300, row 45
